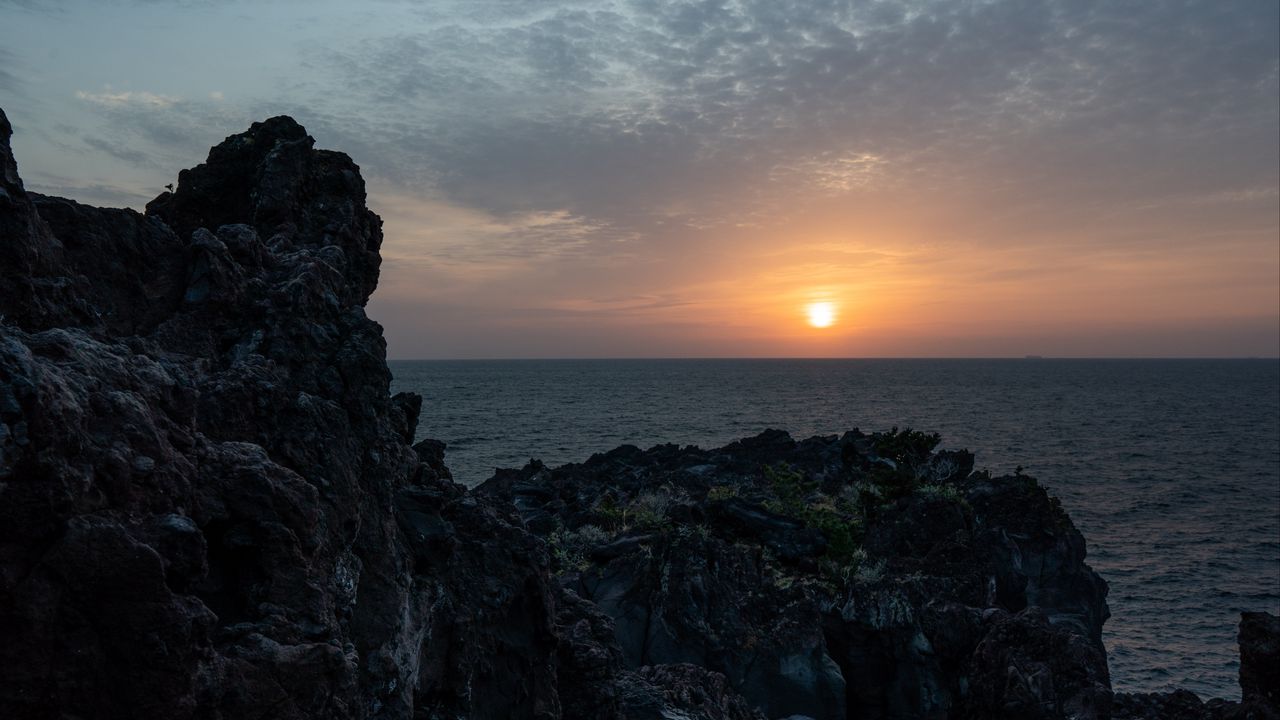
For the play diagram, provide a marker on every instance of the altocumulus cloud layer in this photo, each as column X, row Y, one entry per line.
column 650, row 177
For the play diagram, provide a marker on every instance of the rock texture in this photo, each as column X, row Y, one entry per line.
column 853, row 576
column 211, row 507
column 200, row 454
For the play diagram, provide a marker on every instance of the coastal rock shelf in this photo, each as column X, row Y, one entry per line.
column 854, row 576
column 211, row 507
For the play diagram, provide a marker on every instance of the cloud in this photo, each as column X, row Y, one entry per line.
column 627, row 107
column 9, row 82
column 175, row 130
column 583, row 157
column 133, row 157
column 836, row 173
column 31, row 5
column 471, row 242
column 99, row 194
column 128, row 98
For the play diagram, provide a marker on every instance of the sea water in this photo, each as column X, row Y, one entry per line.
column 1170, row 468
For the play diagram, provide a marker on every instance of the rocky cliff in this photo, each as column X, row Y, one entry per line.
column 856, row 576
column 210, row 507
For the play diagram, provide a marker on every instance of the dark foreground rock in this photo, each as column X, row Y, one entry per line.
column 1260, row 659
column 210, row 507
column 852, row 576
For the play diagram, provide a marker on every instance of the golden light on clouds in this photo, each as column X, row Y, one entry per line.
column 821, row 314
column 582, row 191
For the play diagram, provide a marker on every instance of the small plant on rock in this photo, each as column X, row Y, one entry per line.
column 609, row 513
column 793, row 493
column 908, row 449
column 720, row 493
column 790, row 488
column 569, row 549
column 649, row 510
column 869, row 572
column 943, row 492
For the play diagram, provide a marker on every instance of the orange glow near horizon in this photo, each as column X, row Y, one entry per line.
column 898, row 285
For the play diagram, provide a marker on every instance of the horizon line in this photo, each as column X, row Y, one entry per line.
column 823, row 357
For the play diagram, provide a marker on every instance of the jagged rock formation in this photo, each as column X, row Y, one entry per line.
column 854, row 576
column 208, row 502
column 210, row 508
column 201, row 452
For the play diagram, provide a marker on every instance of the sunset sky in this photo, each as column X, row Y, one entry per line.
column 637, row 178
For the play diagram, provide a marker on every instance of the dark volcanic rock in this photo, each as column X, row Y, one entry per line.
column 1177, row 705
column 853, row 576
column 1024, row 668
column 271, row 179
column 596, row 683
column 208, row 503
column 695, row 600
column 1260, row 659
column 199, row 456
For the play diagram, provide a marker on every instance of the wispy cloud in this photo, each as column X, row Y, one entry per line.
column 180, row 128
column 92, row 193
column 584, row 157
column 469, row 240
column 10, row 82
column 674, row 94
column 832, row 172
column 119, row 152
column 128, row 98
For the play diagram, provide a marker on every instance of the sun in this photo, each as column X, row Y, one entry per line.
column 821, row 314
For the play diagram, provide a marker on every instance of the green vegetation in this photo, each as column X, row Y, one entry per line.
column 790, row 488
column 906, row 466
column 794, row 498
column 569, row 549
column 841, row 533
column 610, row 514
column 944, row 492
column 906, row 447
column 910, row 452
column 647, row 511
column 719, row 493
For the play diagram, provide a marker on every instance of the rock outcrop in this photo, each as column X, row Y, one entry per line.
column 211, row 507
column 853, row 576
column 1260, row 659
column 201, row 456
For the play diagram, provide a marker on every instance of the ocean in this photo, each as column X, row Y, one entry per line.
column 1170, row 468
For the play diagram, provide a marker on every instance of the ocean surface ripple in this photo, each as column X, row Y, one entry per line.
column 1170, row 468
